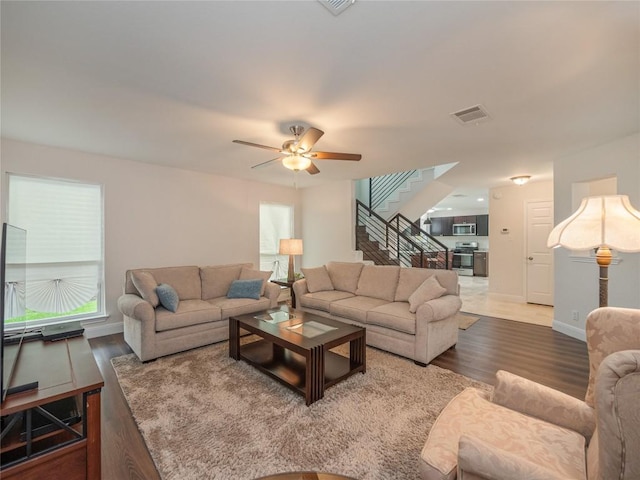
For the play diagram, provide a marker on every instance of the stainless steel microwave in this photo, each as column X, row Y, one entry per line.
column 464, row 228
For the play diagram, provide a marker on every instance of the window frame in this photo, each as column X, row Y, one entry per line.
column 100, row 312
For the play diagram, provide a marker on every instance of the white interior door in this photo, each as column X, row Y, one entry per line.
column 539, row 257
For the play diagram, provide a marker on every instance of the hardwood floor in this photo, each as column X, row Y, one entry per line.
column 535, row 352
column 124, row 453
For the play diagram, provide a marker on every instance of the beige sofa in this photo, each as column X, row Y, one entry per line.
column 202, row 313
column 407, row 311
column 530, row 431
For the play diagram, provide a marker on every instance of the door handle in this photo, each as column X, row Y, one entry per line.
column 530, row 258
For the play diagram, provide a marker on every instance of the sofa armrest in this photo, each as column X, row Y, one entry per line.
column 272, row 292
column 536, row 400
column 300, row 287
column 135, row 307
column 439, row 308
column 482, row 460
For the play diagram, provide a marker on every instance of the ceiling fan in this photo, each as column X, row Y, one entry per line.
column 296, row 154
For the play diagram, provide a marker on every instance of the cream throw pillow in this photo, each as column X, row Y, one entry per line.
column 429, row 290
column 251, row 274
column 318, row 279
column 146, row 285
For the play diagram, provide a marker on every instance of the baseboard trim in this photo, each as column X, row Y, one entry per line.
column 570, row 330
column 103, row 329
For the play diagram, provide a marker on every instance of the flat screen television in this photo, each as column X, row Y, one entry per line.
column 13, row 275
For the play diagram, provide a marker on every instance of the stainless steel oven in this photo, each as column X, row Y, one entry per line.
column 463, row 257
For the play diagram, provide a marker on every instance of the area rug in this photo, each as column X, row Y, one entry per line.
column 465, row 320
column 204, row 415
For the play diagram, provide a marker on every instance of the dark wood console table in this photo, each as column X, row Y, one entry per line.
column 64, row 369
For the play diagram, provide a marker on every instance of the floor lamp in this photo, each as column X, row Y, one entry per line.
column 603, row 222
column 291, row 247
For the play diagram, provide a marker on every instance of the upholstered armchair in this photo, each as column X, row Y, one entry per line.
column 525, row 430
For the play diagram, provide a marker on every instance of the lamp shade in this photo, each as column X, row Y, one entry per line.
column 290, row 246
column 607, row 220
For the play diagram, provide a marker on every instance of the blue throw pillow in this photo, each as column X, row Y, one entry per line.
column 245, row 289
column 168, row 297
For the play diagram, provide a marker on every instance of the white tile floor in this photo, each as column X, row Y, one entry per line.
column 476, row 299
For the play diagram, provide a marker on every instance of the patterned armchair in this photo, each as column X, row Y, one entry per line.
column 529, row 431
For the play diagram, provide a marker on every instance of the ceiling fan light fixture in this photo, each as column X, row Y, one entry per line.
column 296, row 162
column 521, row 179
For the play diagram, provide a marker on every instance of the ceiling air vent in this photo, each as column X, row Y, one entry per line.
column 474, row 114
column 337, row 6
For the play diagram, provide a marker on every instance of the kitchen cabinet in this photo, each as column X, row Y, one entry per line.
column 480, row 264
column 442, row 226
column 464, row 219
column 482, row 225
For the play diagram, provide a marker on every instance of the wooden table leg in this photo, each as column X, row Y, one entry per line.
column 234, row 339
column 358, row 353
column 93, row 435
column 314, row 388
column 293, row 298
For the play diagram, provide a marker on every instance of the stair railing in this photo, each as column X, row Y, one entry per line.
column 401, row 248
column 382, row 187
column 435, row 253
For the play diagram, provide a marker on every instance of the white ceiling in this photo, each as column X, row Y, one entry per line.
column 173, row 83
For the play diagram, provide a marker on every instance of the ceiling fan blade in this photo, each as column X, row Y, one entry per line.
column 336, row 156
column 312, row 169
column 266, row 147
column 309, row 138
column 267, row 163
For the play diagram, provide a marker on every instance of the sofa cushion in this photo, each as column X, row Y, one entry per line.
column 245, row 289
column 146, row 285
column 216, row 280
column 409, row 280
column 168, row 297
column 322, row 300
column 429, row 290
column 248, row 273
column 318, row 279
column 378, row 281
column 395, row 315
column 185, row 280
column 189, row 312
column 355, row 308
column 344, row 275
column 239, row 306
column 470, row 413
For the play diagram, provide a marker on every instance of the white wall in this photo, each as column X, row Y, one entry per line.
column 576, row 281
column 328, row 223
column 158, row 216
column 507, row 209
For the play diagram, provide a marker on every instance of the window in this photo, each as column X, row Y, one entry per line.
column 276, row 222
column 64, row 224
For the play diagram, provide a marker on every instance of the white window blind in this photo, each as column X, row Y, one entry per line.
column 276, row 222
column 64, row 224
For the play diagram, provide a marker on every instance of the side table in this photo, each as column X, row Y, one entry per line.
column 283, row 282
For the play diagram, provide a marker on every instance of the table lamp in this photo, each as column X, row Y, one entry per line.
column 291, row 247
column 601, row 222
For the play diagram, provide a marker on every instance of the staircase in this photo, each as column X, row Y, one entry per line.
column 397, row 242
column 371, row 249
column 404, row 191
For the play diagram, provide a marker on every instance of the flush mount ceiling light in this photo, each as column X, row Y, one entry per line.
column 521, row 179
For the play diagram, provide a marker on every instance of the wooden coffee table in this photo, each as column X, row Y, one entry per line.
column 296, row 351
